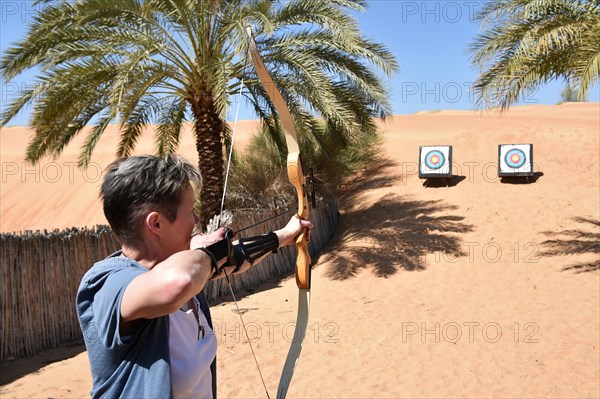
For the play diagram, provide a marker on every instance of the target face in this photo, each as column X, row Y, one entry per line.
column 435, row 161
column 515, row 160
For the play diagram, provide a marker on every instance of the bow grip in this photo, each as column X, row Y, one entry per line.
column 298, row 180
column 302, row 262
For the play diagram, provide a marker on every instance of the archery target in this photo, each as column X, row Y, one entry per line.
column 515, row 160
column 435, row 161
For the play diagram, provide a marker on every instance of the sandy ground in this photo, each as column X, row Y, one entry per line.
column 480, row 289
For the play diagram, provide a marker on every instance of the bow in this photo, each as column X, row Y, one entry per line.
column 298, row 180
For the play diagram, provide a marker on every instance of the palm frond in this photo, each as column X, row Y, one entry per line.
column 138, row 62
column 169, row 127
column 527, row 43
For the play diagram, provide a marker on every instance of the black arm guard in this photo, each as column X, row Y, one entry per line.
column 219, row 250
column 252, row 248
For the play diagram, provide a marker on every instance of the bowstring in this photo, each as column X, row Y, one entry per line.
column 237, row 112
column 239, row 312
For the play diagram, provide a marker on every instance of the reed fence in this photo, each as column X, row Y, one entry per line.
column 40, row 273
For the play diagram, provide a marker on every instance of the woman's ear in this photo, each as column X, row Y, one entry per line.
column 153, row 222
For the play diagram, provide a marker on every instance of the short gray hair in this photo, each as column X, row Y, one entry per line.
column 134, row 186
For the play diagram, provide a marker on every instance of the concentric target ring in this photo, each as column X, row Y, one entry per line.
column 435, row 159
column 515, row 158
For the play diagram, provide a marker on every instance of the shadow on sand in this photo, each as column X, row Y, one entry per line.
column 522, row 179
column 11, row 370
column 576, row 242
column 394, row 233
column 443, row 183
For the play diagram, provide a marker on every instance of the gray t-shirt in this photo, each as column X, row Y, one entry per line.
column 135, row 366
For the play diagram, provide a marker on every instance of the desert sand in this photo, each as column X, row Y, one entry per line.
column 480, row 289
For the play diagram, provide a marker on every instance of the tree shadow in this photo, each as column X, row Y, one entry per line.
column 522, row 179
column 378, row 176
column 393, row 234
column 576, row 242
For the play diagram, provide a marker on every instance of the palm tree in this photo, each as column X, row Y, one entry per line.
column 138, row 62
column 526, row 43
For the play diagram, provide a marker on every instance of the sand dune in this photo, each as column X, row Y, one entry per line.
column 473, row 290
column 68, row 196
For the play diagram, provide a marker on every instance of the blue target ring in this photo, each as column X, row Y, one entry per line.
column 435, row 159
column 515, row 158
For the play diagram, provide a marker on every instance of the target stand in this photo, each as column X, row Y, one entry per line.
column 515, row 160
column 435, row 162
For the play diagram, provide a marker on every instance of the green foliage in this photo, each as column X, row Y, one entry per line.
column 570, row 94
column 259, row 175
column 257, row 178
column 141, row 62
column 164, row 62
column 526, row 43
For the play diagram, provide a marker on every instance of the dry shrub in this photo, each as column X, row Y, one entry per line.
column 258, row 178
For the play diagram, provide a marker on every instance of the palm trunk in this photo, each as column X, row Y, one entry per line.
column 209, row 130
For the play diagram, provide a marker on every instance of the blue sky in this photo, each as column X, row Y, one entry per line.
column 428, row 38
